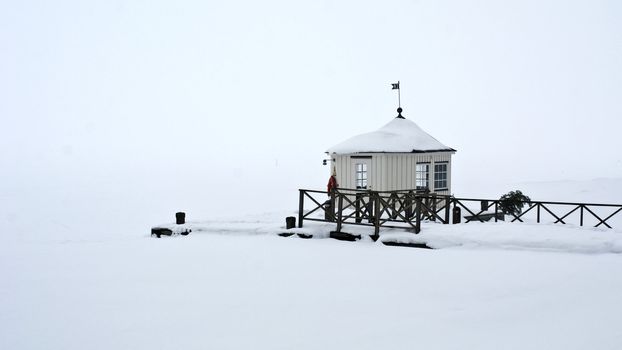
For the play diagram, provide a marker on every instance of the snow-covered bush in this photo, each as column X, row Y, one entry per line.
column 513, row 202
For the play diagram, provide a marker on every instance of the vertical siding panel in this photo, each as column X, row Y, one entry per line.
column 379, row 172
column 387, row 174
column 403, row 185
column 405, row 172
column 408, row 172
column 398, row 171
column 371, row 179
column 387, row 171
column 348, row 175
column 432, row 161
column 412, row 173
column 414, row 162
column 391, row 172
column 344, row 173
column 340, row 171
column 400, row 178
column 384, row 172
column 349, row 172
column 375, row 166
column 394, row 175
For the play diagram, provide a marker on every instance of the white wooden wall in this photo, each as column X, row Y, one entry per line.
column 390, row 171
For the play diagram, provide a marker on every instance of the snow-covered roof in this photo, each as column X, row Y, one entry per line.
column 400, row 135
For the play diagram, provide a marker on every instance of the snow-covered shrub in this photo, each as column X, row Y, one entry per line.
column 513, row 202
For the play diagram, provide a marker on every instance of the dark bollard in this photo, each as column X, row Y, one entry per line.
column 456, row 214
column 180, row 218
column 290, row 222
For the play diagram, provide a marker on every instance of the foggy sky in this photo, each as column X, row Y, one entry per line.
column 181, row 99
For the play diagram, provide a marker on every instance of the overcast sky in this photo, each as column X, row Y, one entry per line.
column 176, row 96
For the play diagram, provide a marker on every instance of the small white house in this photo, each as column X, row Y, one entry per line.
column 398, row 156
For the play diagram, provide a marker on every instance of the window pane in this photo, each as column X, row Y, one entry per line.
column 440, row 176
column 360, row 175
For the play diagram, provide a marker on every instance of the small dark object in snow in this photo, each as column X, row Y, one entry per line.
column 159, row 231
column 286, row 234
column 290, row 222
column 180, row 218
column 305, row 236
column 343, row 236
column 409, row 245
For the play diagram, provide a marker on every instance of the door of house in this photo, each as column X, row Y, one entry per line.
column 361, row 167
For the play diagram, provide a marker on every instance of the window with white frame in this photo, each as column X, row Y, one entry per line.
column 422, row 176
column 440, row 176
column 360, row 175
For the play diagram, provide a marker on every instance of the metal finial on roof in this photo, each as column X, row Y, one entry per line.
column 399, row 113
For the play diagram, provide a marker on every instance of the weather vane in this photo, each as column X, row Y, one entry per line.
column 396, row 86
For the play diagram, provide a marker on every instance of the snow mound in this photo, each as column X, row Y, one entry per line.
column 399, row 135
column 515, row 236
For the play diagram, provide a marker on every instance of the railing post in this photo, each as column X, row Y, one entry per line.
column 357, row 208
column 331, row 213
column 301, row 208
column 339, row 212
column 377, row 215
column 447, row 198
column 392, row 202
column 581, row 220
column 496, row 208
column 418, row 214
column 538, row 211
column 370, row 207
column 433, row 218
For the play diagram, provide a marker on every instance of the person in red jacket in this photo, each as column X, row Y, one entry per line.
column 332, row 182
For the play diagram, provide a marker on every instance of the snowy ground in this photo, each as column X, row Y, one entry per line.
column 234, row 284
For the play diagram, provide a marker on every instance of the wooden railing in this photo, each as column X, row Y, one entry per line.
column 395, row 209
column 545, row 211
column 408, row 208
